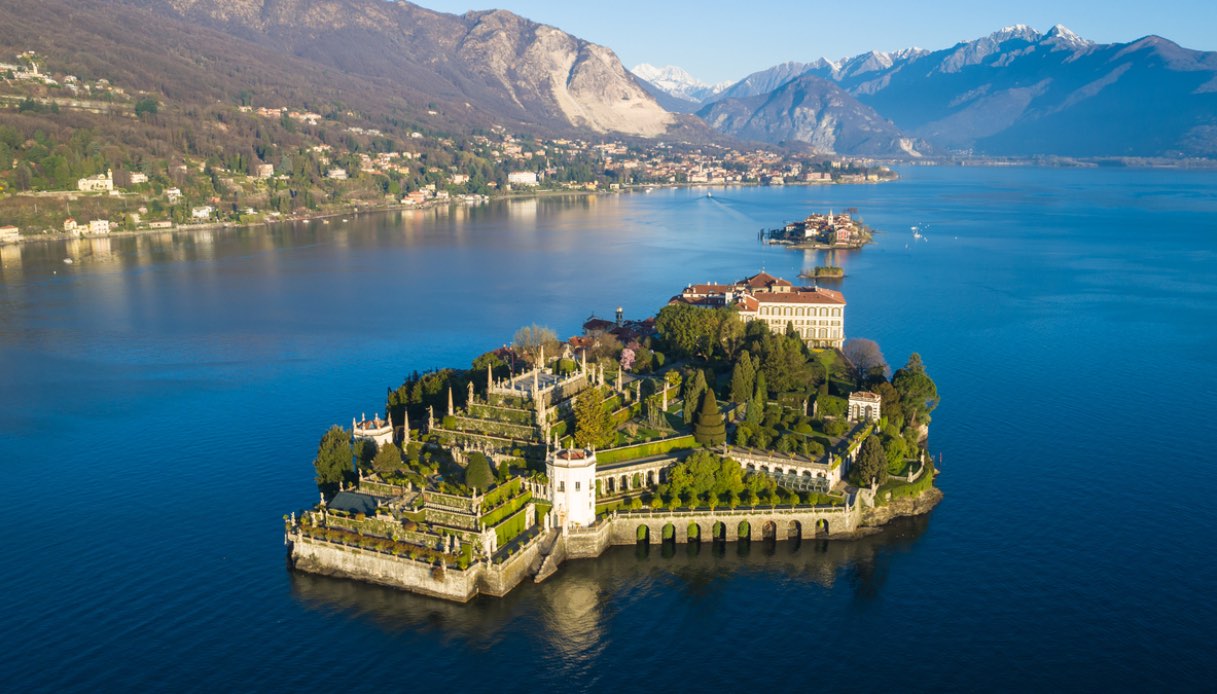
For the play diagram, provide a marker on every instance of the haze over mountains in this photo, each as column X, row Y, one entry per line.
column 1016, row 92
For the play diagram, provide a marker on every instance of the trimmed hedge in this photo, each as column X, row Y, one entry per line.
column 644, row 450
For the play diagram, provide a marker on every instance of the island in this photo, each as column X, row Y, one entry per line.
column 823, row 232
column 738, row 413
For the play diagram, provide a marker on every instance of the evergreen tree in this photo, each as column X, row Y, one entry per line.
column 710, row 430
column 743, row 379
column 593, row 422
column 334, row 460
column 694, row 387
column 871, row 464
column 388, row 460
column 918, row 393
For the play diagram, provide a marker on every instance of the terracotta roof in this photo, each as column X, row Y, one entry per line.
column 708, row 288
column 802, row 295
column 865, row 395
column 764, row 279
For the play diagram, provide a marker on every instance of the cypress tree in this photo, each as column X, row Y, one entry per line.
column 743, row 379
column 710, row 430
column 694, row 387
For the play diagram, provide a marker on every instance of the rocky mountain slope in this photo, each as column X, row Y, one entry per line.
column 500, row 65
column 812, row 111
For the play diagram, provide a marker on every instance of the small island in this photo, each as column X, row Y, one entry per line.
column 738, row 413
column 823, row 232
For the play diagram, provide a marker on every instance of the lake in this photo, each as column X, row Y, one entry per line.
column 161, row 400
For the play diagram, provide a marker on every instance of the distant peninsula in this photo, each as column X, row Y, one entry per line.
column 738, row 413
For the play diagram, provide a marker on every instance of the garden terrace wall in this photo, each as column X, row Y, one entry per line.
column 644, row 450
column 320, row 557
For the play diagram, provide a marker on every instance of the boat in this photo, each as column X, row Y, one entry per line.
column 68, row 261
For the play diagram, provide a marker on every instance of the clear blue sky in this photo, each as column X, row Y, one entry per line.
column 717, row 40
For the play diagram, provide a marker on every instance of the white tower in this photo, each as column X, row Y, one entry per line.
column 572, row 482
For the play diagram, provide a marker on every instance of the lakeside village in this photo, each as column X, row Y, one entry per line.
column 245, row 163
column 738, row 413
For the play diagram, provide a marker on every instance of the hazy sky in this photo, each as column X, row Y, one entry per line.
column 717, row 40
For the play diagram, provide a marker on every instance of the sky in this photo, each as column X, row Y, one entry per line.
column 725, row 41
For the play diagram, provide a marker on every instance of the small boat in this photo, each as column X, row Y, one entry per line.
column 68, row 261
column 709, row 195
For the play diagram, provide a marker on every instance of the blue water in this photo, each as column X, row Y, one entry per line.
column 162, row 397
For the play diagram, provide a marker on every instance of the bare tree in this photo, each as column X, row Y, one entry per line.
column 865, row 358
column 531, row 338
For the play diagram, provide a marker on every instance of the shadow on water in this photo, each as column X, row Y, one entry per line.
column 575, row 600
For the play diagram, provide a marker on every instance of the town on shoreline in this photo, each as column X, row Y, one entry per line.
column 739, row 412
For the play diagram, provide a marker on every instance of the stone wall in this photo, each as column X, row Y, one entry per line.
column 349, row 562
column 589, row 542
column 806, row 523
column 499, row 579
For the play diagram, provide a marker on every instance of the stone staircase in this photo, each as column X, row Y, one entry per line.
column 553, row 552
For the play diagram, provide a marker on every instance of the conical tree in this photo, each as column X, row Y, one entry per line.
column 710, row 429
column 694, row 387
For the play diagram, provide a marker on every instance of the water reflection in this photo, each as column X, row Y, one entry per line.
column 574, row 606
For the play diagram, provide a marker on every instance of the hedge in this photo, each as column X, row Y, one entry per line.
column 644, row 450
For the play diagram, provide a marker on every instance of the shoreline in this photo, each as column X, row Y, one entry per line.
column 382, row 209
column 539, row 562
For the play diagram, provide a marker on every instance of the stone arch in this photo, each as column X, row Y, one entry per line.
column 769, row 530
column 794, row 530
column 643, row 534
column 719, row 531
column 625, row 482
column 745, row 530
column 751, row 467
column 822, row 526
column 650, row 478
column 611, row 486
column 669, row 532
column 694, row 532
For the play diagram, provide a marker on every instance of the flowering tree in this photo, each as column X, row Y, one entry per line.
column 627, row 359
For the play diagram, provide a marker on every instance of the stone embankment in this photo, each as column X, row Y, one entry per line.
column 542, row 557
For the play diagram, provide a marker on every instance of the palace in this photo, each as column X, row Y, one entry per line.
column 817, row 314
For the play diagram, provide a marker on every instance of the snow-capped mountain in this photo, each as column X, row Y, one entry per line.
column 1020, row 92
column 676, row 81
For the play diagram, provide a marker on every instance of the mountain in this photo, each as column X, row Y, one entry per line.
column 762, row 82
column 1019, row 92
column 497, row 66
column 813, row 111
column 677, row 82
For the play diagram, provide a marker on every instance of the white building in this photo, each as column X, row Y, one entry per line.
column 376, row 429
column 572, row 482
column 337, row 174
column 522, row 178
column 817, row 314
column 136, row 178
column 174, row 194
column 864, row 405
column 9, row 234
column 101, row 183
column 203, row 212
column 265, row 170
column 99, row 227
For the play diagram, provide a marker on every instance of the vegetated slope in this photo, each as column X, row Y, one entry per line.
column 502, row 68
